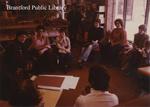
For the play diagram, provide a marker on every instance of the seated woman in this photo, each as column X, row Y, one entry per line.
column 118, row 39
column 64, row 49
column 41, row 48
column 95, row 35
column 40, row 42
column 25, row 94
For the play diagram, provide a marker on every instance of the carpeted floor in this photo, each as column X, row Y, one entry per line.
column 126, row 87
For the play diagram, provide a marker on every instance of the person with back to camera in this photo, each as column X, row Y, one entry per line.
column 25, row 94
column 98, row 95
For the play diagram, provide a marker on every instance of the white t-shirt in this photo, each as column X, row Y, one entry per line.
column 97, row 99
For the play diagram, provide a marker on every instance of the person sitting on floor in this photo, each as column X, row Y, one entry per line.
column 97, row 95
column 95, row 35
column 64, row 49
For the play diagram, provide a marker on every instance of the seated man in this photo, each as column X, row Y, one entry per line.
column 140, row 37
column 97, row 95
column 17, row 54
column 135, row 57
column 95, row 35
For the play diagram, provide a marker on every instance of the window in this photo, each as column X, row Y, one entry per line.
column 135, row 15
column 138, row 17
column 129, row 9
column 119, row 9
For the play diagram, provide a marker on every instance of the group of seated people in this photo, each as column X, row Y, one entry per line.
column 28, row 55
column 37, row 52
column 115, row 48
column 24, row 57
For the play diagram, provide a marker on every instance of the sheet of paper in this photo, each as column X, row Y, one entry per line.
column 69, row 82
column 74, row 82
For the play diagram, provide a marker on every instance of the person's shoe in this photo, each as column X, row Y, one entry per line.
column 81, row 63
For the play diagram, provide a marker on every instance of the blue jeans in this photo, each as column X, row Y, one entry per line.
column 85, row 53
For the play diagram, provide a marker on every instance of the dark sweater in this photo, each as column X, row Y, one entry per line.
column 16, row 55
column 95, row 34
column 139, row 40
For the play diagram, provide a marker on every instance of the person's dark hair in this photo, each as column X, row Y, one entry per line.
column 40, row 27
column 143, row 27
column 19, row 33
column 119, row 21
column 62, row 30
column 25, row 95
column 98, row 78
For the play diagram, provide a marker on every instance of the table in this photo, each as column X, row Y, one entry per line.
column 50, row 97
column 52, row 86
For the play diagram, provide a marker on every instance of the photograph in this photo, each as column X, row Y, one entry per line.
column 74, row 53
